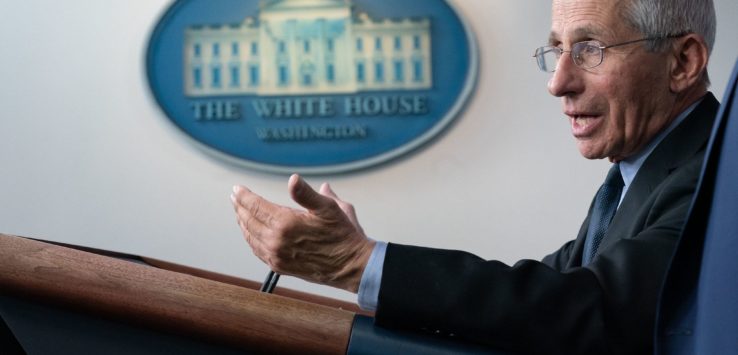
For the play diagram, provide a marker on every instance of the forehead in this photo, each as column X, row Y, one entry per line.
column 575, row 20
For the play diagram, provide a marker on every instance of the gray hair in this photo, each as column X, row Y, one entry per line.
column 661, row 18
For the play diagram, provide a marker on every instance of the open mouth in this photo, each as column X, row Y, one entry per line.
column 584, row 125
column 584, row 120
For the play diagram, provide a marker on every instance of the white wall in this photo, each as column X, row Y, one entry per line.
column 88, row 158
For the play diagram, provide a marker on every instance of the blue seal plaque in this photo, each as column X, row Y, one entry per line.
column 311, row 86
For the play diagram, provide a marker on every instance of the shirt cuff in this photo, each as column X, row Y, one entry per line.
column 372, row 278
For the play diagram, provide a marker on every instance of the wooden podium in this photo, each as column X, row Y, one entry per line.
column 63, row 299
column 167, row 298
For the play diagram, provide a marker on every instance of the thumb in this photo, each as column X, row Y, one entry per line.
column 305, row 196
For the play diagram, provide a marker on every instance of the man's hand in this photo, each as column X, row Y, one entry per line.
column 323, row 244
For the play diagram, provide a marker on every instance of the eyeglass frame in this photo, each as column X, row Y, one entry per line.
column 540, row 52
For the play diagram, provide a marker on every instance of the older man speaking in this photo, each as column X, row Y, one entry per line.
column 632, row 79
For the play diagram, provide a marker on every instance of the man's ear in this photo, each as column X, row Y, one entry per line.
column 689, row 57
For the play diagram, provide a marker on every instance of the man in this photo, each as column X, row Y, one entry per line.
column 632, row 79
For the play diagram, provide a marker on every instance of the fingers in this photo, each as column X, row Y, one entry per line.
column 252, row 212
column 306, row 197
column 258, row 247
column 253, row 205
column 255, row 243
column 347, row 208
column 253, row 229
column 255, row 214
column 326, row 190
column 324, row 244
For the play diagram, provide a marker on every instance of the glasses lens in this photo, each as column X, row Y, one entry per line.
column 547, row 57
column 586, row 54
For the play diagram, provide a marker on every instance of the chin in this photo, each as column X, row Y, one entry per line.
column 589, row 153
column 593, row 157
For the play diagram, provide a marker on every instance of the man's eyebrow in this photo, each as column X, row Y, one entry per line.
column 588, row 32
column 553, row 38
column 578, row 34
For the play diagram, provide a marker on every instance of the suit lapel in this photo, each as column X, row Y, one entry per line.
column 575, row 258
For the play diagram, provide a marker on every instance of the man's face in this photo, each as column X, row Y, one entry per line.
column 617, row 107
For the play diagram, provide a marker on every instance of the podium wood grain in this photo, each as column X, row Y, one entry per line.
column 170, row 301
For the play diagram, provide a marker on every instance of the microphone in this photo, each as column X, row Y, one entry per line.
column 270, row 282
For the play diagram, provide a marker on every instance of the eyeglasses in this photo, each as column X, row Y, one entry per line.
column 586, row 55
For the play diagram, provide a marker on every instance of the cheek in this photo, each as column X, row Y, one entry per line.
column 634, row 114
column 626, row 100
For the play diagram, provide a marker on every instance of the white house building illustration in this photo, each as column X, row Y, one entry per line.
column 306, row 47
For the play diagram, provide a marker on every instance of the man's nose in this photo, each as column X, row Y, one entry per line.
column 566, row 80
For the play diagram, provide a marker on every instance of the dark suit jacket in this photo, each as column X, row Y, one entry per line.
column 557, row 306
column 698, row 312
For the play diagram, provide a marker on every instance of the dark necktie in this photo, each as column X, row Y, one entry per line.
column 605, row 205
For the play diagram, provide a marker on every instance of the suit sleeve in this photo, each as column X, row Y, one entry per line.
column 540, row 307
